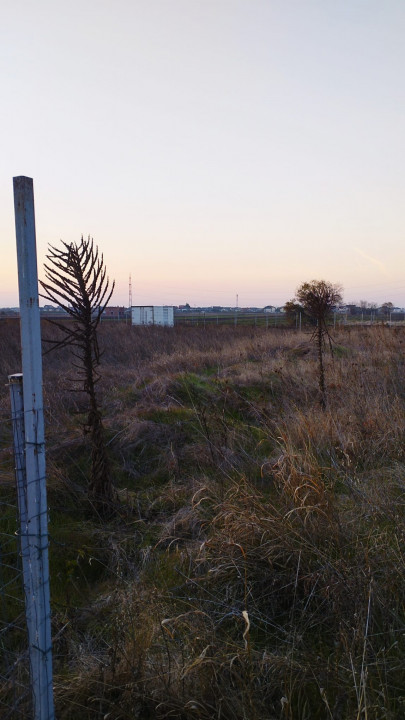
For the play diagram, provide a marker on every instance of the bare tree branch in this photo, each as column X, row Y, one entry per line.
column 77, row 281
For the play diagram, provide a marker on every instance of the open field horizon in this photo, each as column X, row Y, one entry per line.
column 226, row 497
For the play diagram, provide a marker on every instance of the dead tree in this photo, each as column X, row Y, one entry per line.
column 77, row 281
column 318, row 298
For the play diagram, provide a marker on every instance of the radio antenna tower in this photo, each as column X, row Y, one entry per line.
column 130, row 292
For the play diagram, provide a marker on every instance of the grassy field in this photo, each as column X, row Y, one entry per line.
column 254, row 564
column 206, row 319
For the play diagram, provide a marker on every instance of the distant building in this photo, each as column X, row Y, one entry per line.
column 153, row 315
column 55, row 310
column 114, row 312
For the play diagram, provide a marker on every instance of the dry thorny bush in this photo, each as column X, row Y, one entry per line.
column 255, row 566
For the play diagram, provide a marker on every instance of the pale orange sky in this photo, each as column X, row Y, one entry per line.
column 210, row 148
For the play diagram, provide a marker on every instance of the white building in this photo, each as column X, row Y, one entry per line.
column 153, row 315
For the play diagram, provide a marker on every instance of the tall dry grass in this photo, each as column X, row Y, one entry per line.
column 255, row 568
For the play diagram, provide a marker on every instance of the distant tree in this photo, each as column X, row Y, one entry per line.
column 76, row 280
column 319, row 298
column 386, row 308
column 292, row 309
column 352, row 308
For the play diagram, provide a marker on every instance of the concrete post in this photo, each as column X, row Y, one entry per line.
column 38, row 600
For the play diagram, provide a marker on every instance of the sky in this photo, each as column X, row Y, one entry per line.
column 212, row 148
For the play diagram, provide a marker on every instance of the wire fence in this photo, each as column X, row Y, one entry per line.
column 18, row 668
column 204, row 319
column 240, row 318
column 15, row 688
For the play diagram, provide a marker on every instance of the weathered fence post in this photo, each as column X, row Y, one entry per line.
column 37, row 593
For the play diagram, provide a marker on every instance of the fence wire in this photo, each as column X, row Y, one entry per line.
column 15, row 689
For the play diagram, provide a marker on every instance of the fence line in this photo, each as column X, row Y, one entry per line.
column 15, row 687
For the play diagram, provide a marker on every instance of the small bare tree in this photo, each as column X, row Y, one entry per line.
column 76, row 280
column 318, row 298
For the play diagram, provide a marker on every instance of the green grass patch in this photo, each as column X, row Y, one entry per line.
column 167, row 416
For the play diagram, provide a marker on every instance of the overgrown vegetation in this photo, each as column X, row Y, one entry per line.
column 256, row 568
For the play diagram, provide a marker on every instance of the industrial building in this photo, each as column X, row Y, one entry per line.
column 153, row 315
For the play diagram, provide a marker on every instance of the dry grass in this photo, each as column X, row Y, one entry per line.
column 255, row 568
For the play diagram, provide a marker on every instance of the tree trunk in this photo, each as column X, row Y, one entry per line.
column 321, row 367
column 100, row 485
